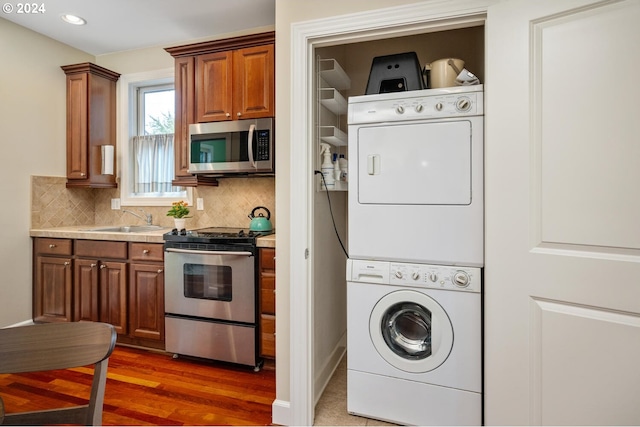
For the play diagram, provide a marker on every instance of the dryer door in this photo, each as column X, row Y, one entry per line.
column 411, row 331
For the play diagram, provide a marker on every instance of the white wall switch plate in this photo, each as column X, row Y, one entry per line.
column 115, row 204
column 200, row 204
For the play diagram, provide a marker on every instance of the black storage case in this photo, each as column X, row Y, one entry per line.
column 395, row 73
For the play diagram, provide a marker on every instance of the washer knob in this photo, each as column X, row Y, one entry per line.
column 415, row 275
column 400, row 109
column 439, row 106
column 433, row 277
column 419, row 108
column 461, row 279
column 398, row 274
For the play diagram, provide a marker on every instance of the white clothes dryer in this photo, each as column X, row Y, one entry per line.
column 414, row 340
column 416, row 167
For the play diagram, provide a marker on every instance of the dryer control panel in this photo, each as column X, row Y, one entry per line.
column 468, row 279
column 459, row 101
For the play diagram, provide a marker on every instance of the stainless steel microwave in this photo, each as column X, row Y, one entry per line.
column 232, row 147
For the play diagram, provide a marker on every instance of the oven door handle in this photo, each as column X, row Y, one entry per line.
column 196, row 252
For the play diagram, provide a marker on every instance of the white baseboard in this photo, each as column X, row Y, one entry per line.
column 326, row 372
column 281, row 412
column 23, row 323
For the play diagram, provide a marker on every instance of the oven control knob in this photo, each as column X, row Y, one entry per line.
column 433, row 277
column 461, row 279
column 439, row 106
column 415, row 275
column 398, row 274
column 400, row 109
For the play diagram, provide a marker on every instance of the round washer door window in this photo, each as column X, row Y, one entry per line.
column 411, row 331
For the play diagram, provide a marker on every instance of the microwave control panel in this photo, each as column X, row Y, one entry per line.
column 262, row 144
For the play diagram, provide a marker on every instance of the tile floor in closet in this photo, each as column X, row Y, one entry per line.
column 331, row 410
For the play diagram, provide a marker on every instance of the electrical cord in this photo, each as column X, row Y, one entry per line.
column 331, row 212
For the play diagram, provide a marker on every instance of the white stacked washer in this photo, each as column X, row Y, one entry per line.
column 414, row 278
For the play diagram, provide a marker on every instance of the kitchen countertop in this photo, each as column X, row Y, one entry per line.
column 155, row 236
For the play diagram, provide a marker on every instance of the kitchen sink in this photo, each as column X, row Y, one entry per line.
column 127, row 229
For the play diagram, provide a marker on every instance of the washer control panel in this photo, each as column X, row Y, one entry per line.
column 435, row 276
column 453, row 278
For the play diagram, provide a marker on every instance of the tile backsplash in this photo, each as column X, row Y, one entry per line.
column 228, row 205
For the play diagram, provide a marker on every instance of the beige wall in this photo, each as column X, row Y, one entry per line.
column 32, row 119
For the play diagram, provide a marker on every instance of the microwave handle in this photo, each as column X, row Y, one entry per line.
column 252, row 128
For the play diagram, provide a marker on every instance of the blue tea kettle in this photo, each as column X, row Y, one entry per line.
column 260, row 223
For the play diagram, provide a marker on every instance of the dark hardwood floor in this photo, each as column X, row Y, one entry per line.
column 152, row 388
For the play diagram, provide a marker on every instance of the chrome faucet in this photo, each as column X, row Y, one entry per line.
column 147, row 216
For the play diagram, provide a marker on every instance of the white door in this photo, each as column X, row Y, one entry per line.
column 562, row 266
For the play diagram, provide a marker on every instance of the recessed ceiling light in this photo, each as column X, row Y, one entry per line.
column 73, row 19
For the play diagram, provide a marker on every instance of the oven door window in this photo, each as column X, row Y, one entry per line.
column 209, row 282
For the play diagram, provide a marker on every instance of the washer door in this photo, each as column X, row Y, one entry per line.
column 411, row 331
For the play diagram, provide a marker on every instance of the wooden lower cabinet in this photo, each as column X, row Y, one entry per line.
column 52, row 284
column 113, row 295
column 267, row 283
column 94, row 280
column 52, row 289
column 146, row 301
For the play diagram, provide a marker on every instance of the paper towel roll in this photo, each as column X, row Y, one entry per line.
column 108, row 155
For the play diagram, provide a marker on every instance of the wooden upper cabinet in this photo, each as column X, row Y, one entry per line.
column 184, row 82
column 253, row 84
column 91, row 123
column 235, row 84
column 214, row 83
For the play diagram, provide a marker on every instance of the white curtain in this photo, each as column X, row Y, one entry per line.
column 153, row 164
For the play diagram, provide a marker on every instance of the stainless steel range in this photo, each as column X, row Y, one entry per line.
column 211, row 294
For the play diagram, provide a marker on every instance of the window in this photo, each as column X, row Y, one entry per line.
column 146, row 140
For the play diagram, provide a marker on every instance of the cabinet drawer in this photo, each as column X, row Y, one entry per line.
column 101, row 249
column 53, row 246
column 146, row 252
column 268, row 294
column 267, row 259
column 267, row 336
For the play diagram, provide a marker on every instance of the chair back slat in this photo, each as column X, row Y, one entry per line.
column 54, row 346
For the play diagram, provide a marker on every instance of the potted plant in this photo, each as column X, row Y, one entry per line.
column 179, row 211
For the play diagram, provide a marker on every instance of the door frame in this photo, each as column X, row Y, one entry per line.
column 422, row 17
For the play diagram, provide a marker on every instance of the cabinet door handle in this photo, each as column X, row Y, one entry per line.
column 81, row 173
column 239, row 114
column 274, row 291
column 51, row 246
column 227, row 114
column 67, row 263
column 146, row 251
column 92, row 265
column 159, row 271
column 102, row 266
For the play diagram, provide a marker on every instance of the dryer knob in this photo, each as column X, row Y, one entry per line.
column 463, row 104
column 400, row 109
column 439, row 106
column 415, row 275
column 419, row 108
column 461, row 279
column 398, row 274
column 433, row 277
